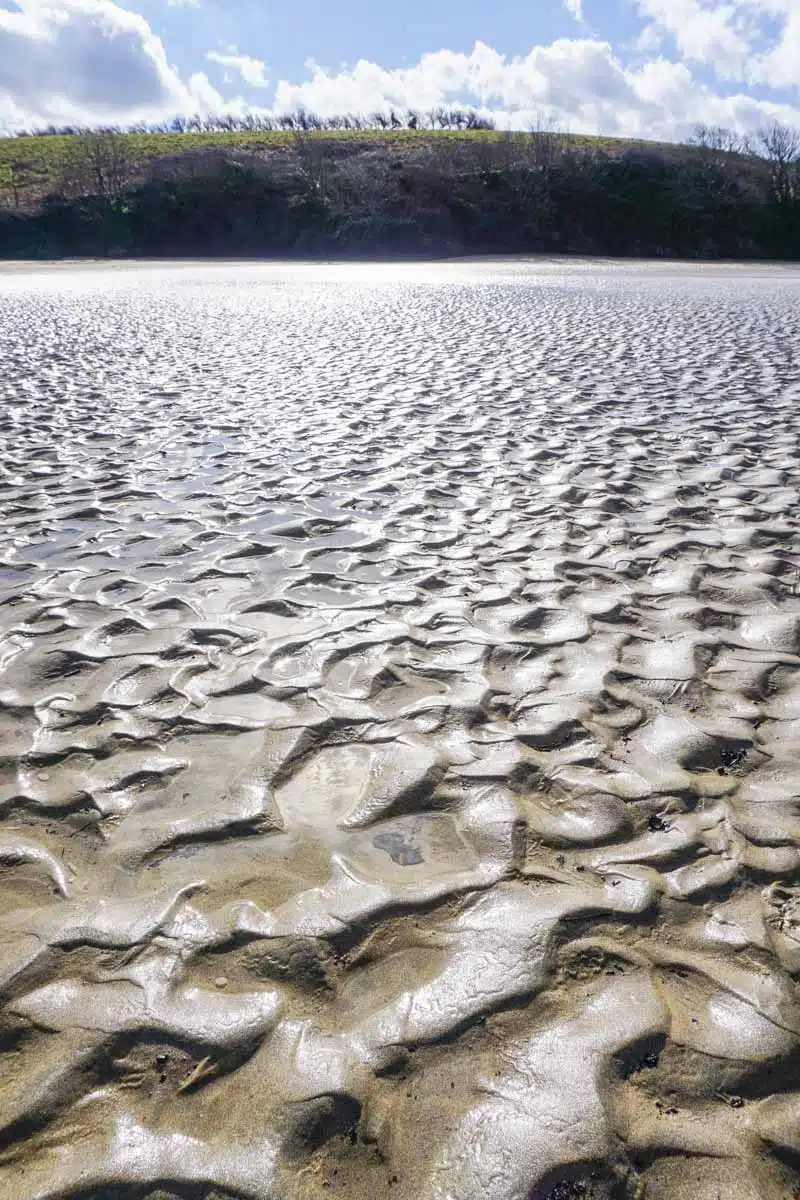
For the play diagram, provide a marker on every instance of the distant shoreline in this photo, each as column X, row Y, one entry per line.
column 10, row 266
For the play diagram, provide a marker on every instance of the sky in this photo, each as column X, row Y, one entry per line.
column 637, row 68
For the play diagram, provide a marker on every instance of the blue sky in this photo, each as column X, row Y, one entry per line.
column 649, row 68
column 286, row 34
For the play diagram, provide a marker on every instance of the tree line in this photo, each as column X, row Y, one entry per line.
column 301, row 120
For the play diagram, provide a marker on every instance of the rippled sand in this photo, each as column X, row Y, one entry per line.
column 399, row 727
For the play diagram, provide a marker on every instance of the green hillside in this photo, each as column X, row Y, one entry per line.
column 34, row 166
column 406, row 191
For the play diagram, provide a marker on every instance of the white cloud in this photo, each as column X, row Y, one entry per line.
column 751, row 41
column 579, row 85
column 575, row 7
column 252, row 70
column 95, row 61
column 66, row 61
column 780, row 65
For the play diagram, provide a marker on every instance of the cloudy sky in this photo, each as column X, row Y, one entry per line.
column 647, row 68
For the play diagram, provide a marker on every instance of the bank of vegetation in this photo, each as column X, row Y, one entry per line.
column 442, row 183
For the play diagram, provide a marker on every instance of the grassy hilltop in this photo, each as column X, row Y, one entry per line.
column 369, row 190
column 40, row 162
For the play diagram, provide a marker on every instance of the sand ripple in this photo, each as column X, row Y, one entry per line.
column 399, row 733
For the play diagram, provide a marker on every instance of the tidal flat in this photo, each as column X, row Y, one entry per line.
column 399, row 731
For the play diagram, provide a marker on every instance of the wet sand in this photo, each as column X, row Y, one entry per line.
column 399, row 732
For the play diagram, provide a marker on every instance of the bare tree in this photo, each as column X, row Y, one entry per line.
column 98, row 163
column 20, row 181
column 316, row 164
column 719, row 140
column 476, row 120
column 780, row 145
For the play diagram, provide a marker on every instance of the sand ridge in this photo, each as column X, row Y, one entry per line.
column 399, row 730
